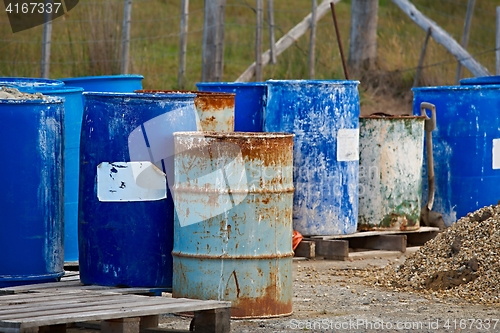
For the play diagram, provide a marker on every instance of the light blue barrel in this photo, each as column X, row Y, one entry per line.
column 466, row 147
column 29, row 82
column 126, row 212
column 233, row 196
column 106, row 83
column 73, row 113
column 249, row 105
column 31, row 200
column 324, row 116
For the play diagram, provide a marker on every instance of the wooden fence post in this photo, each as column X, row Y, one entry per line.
column 497, row 71
column 272, row 36
column 127, row 17
column 258, row 41
column 312, row 40
column 465, row 36
column 422, row 56
column 183, row 44
column 363, row 45
column 213, row 41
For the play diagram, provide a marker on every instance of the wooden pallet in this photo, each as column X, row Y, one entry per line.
column 337, row 247
column 50, row 307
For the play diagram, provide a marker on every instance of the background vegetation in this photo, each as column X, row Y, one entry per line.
column 86, row 41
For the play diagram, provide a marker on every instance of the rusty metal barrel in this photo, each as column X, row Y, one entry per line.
column 215, row 109
column 391, row 152
column 233, row 197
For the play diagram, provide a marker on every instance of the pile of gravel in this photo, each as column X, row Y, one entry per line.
column 13, row 93
column 463, row 261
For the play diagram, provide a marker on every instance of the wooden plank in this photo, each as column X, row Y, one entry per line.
column 288, row 39
column 420, row 239
column 127, row 18
column 212, row 321
column 121, row 312
column 443, row 38
column 183, row 43
column 272, row 35
column 67, row 304
column 305, row 249
column 363, row 34
column 380, row 242
column 333, row 249
column 375, row 233
column 97, row 303
column 122, row 325
column 312, row 40
column 30, row 287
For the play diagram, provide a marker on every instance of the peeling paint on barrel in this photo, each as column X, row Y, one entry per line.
column 215, row 110
column 324, row 116
column 390, row 172
column 244, row 253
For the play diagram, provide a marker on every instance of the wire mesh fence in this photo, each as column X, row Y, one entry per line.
column 88, row 41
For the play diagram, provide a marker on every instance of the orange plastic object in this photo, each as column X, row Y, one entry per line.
column 296, row 238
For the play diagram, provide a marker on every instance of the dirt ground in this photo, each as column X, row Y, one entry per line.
column 323, row 301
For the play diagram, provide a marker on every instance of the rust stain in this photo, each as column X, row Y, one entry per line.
column 237, row 284
column 266, row 306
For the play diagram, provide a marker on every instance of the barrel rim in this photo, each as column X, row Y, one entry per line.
column 233, row 135
column 44, row 100
column 481, row 80
column 29, row 82
column 394, row 117
column 314, row 82
column 471, row 87
column 54, row 90
column 134, row 95
column 197, row 92
column 102, row 77
column 231, row 84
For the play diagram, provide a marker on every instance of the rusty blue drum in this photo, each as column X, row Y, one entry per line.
column 233, row 196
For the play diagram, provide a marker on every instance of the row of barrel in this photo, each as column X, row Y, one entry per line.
column 222, row 227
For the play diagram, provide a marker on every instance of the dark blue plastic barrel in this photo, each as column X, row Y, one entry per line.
column 466, row 144
column 324, row 116
column 73, row 112
column 107, row 83
column 125, row 229
column 249, row 104
column 31, row 200
column 29, row 82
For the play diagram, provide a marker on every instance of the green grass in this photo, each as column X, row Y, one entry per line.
column 86, row 41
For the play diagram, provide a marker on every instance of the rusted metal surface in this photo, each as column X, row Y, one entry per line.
column 390, row 172
column 233, row 196
column 216, row 110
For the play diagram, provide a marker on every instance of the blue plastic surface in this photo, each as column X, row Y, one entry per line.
column 483, row 80
column 73, row 113
column 31, row 200
column 249, row 104
column 106, row 83
column 128, row 243
column 467, row 124
column 29, row 82
column 320, row 113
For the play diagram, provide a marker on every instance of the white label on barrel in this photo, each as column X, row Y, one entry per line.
column 348, row 145
column 130, row 181
column 496, row 153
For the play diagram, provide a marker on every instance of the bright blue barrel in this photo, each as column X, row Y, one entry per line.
column 73, row 112
column 324, row 116
column 249, row 105
column 107, row 83
column 482, row 80
column 31, row 200
column 29, row 82
column 466, row 145
column 125, row 228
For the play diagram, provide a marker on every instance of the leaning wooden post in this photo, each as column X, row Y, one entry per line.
column 465, row 35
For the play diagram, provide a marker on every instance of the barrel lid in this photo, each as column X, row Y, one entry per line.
column 29, row 82
column 102, row 77
column 313, row 82
column 482, row 80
